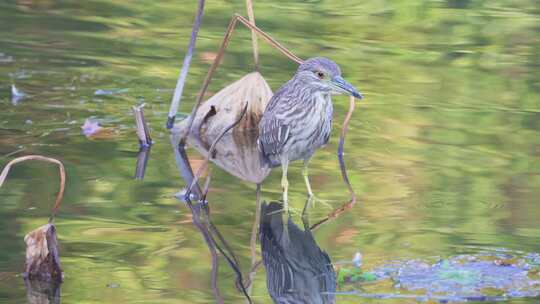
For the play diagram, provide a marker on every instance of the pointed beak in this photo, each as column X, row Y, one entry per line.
column 343, row 87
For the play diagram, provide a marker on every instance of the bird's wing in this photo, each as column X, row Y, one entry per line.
column 274, row 129
column 273, row 135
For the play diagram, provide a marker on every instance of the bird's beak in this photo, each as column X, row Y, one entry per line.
column 343, row 87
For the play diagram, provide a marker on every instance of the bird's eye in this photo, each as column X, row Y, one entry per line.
column 320, row 74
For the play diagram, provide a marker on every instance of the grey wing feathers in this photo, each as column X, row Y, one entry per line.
column 273, row 136
column 274, row 133
column 273, row 130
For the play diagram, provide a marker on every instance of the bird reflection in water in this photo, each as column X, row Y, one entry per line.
column 297, row 270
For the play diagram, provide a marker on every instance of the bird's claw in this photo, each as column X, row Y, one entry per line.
column 314, row 199
column 289, row 210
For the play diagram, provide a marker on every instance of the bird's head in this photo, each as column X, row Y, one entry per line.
column 325, row 75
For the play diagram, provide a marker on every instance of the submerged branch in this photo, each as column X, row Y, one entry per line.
column 206, row 227
column 142, row 162
column 348, row 205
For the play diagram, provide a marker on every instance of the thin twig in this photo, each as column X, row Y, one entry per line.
column 269, row 39
column 175, row 103
column 217, row 61
column 206, row 187
column 212, row 246
column 60, row 194
column 251, row 15
column 348, row 205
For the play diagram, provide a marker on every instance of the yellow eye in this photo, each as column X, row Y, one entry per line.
column 320, row 74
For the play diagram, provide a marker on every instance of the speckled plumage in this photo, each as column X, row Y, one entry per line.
column 298, row 118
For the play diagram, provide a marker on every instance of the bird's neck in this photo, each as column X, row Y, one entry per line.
column 321, row 98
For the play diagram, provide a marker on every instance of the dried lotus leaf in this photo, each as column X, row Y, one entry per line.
column 237, row 151
column 225, row 107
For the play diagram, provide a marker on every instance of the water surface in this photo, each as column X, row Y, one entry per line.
column 444, row 153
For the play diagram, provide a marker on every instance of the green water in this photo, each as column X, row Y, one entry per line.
column 444, row 152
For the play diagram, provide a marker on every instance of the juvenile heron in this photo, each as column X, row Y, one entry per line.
column 298, row 118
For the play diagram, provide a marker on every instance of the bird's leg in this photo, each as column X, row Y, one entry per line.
column 305, row 216
column 285, row 183
column 311, row 196
column 306, row 177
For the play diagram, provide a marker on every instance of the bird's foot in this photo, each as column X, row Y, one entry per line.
column 316, row 200
column 287, row 209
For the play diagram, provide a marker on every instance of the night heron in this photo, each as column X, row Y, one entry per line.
column 297, row 269
column 298, row 118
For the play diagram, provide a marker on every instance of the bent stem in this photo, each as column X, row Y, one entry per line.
column 60, row 194
column 348, row 205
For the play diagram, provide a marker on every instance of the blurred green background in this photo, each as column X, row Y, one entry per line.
column 444, row 152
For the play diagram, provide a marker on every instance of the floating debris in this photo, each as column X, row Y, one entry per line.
column 5, row 59
column 90, row 127
column 487, row 276
column 16, row 95
column 21, row 74
column 353, row 275
column 348, row 274
column 357, row 260
column 92, row 130
column 102, row 92
column 470, row 276
column 15, row 92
